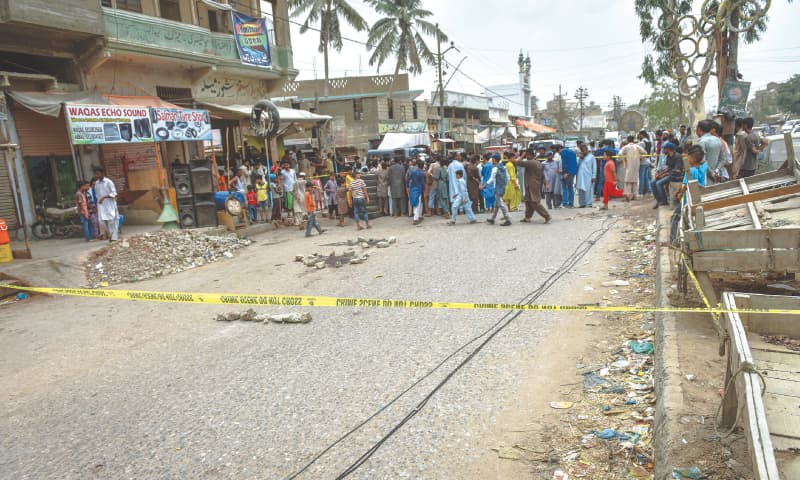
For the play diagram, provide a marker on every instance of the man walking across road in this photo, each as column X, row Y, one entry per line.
column 107, row 204
column 534, row 176
column 497, row 182
column 312, row 213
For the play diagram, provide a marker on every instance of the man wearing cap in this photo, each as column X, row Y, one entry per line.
column 672, row 172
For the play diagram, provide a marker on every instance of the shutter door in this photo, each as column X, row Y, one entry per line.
column 8, row 210
column 138, row 156
column 40, row 135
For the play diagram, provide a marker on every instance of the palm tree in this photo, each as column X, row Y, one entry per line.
column 327, row 13
column 400, row 33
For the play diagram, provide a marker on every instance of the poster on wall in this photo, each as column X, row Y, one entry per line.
column 252, row 40
column 179, row 125
column 98, row 124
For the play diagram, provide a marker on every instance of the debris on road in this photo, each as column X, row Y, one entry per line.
column 158, row 254
column 346, row 257
column 251, row 316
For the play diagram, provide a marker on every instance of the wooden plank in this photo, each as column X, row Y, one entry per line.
column 742, row 199
column 783, row 418
column 748, row 398
column 755, row 183
column 735, row 239
column 747, row 261
column 751, row 209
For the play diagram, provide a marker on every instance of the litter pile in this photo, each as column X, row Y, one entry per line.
column 251, row 316
column 603, row 426
column 348, row 257
column 157, row 254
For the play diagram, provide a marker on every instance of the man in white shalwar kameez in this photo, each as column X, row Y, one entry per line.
column 107, row 204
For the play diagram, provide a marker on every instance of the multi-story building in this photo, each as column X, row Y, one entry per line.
column 144, row 53
column 465, row 115
column 362, row 108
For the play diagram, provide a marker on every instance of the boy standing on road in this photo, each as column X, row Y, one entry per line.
column 358, row 190
column 311, row 211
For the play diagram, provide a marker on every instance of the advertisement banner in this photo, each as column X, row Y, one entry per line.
column 402, row 127
column 251, row 36
column 98, row 124
column 734, row 98
column 178, row 125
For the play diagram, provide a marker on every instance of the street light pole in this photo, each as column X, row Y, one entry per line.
column 441, row 89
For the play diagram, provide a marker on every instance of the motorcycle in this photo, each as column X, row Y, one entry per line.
column 56, row 222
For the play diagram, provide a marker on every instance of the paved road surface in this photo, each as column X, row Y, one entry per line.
column 97, row 389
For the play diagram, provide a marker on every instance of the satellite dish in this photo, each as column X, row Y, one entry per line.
column 631, row 121
column 264, row 118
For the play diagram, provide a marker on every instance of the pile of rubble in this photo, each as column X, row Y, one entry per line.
column 157, row 254
column 348, row 257
column 251, row 316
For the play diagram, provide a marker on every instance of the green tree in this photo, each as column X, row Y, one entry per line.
column 660, row 18
column 662, row 106
column 327, row 13
column 788, row 95
column 400, row 33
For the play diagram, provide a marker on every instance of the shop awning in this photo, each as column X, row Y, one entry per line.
column 392, row 141
column 50, row 103
column 288, row 115
column 534, row 127
column 140, row 101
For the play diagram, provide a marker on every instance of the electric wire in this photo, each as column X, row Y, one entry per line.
column 579, row 252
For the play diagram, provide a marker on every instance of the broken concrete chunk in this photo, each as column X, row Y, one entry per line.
column 231, row 316
column 392, row 240
column 299, row 258
column 383, row 244
column 249, row 315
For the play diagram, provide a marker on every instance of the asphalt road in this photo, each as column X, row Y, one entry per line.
column 99, row 389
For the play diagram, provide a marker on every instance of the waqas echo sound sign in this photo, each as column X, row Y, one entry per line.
column 99, row 124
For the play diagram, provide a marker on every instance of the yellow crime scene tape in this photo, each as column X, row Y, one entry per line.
column 321, row 301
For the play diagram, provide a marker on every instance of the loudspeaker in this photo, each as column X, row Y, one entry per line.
column 202, row 178
column 182, row 180
column 205, row 208
column 187, row 217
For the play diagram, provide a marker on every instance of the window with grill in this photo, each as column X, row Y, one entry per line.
column 390, row 108
column 358, row 109
column 414, row 110
column 170, row 9
column 175, row 94
column 130, row 5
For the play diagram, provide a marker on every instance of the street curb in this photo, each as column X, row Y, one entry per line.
column 669, row 393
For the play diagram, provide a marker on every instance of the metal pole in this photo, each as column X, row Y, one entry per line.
column 14, row 182
column 441, row 91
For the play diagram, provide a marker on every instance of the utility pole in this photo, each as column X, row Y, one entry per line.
column 440, row 58
column 581, row 94
column 441, row 90
column 560, row 109
column 617, row 106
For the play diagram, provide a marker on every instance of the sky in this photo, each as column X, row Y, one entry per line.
column 572, row 43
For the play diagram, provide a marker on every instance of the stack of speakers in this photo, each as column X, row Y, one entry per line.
column 194, row 188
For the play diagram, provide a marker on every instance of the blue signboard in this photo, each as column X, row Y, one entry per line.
column 252, row 40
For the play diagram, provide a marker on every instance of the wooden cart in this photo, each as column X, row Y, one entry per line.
column 748, row 225
column 770, row 416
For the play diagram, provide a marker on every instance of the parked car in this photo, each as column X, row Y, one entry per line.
column 774, row 155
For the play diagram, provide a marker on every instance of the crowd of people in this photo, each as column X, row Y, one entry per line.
column 299, row 190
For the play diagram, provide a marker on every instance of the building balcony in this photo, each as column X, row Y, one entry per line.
column 134, row 34
column 78, row 17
